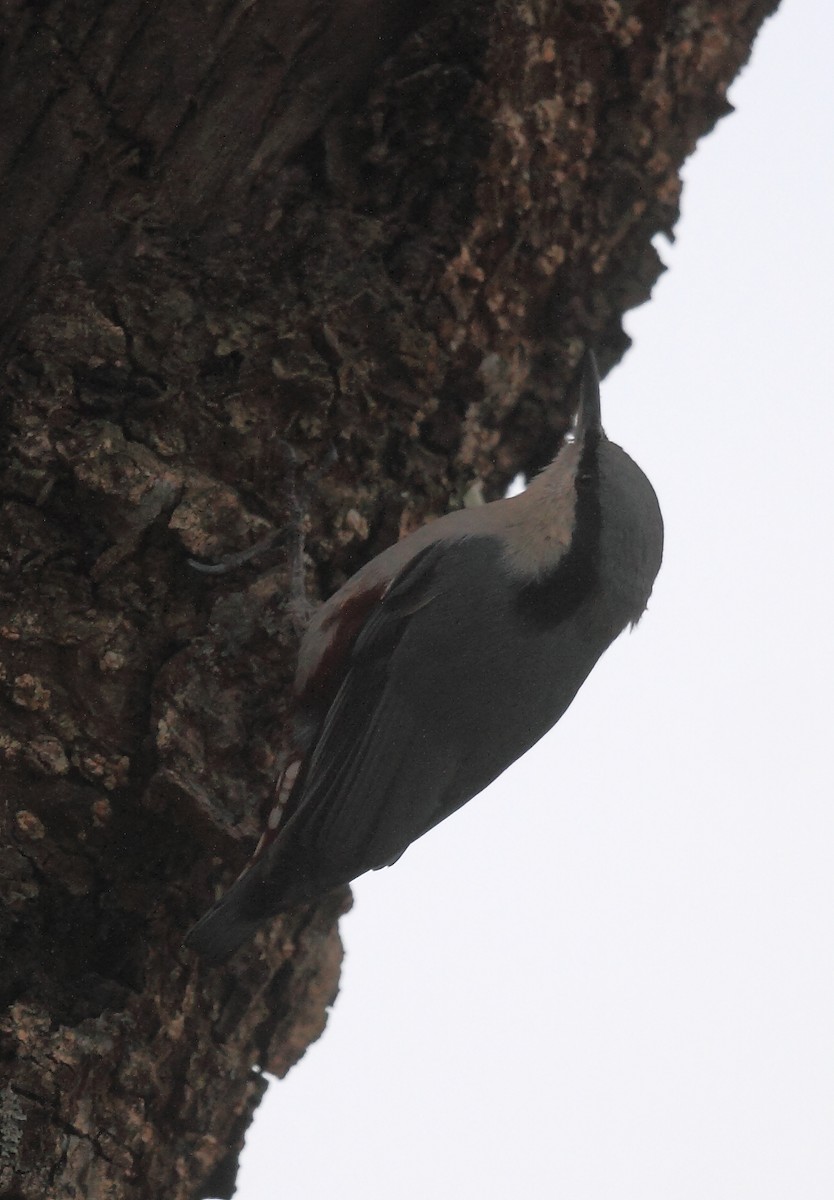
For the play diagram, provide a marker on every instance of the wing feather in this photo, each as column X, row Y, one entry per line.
column 386, row 759
column 368, row 730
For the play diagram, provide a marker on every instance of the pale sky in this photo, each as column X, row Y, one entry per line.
column 611, row 976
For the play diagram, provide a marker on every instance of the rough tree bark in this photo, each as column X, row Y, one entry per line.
column 257, row 257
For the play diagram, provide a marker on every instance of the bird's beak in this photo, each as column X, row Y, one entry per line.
column 588, row 415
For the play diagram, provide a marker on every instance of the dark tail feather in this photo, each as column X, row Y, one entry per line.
column 225, row 927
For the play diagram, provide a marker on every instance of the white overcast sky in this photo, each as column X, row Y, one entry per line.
column 611, row 976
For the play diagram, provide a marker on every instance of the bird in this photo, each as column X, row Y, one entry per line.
column 440, row 662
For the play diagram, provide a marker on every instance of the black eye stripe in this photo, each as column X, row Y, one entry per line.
column 552, row 596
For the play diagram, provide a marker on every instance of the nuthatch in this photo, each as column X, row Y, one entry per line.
column 440, row 662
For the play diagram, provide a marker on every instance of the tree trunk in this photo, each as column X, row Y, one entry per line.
column 261, row 259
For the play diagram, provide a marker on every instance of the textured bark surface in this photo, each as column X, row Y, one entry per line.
column 259, row 258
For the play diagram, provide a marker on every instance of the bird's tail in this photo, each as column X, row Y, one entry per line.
column 227, row 924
